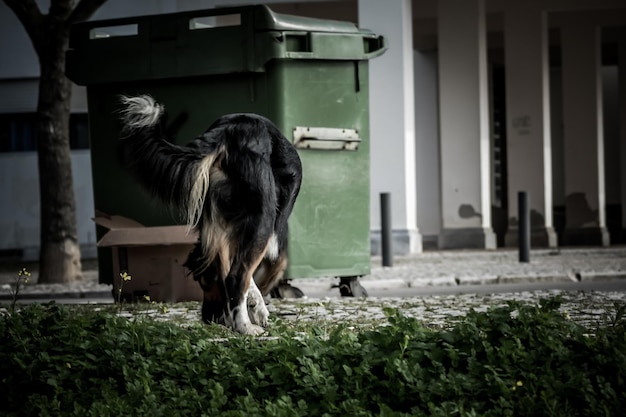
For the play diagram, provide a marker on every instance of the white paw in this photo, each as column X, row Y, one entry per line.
column 241, row 322
column 258, row 314
column 257, row 311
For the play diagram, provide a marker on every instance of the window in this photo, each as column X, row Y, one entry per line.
column 18, row 132
column 79, row 131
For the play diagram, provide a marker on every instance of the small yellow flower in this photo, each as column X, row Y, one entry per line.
column 519, row 383
column 125, row 276
column 69, row 365
column 24, row 274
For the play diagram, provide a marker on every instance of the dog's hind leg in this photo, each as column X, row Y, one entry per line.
column 214, row 299
column 211, row 279
column 270, row 272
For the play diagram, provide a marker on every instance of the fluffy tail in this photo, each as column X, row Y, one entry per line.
column 140, row 112
column 177, row 175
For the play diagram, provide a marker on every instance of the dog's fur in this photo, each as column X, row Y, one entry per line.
column 236, row 185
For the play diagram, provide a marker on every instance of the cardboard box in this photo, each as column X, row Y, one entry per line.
column 152, row 256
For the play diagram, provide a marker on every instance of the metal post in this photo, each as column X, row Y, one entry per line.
column 523, row 227
column 385, row 229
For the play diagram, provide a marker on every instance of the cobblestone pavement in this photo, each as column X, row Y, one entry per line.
column 439, row 310
column 440, row 268
column 587, row 308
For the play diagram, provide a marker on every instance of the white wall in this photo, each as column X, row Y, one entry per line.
column 17, row 56
column 19, row 211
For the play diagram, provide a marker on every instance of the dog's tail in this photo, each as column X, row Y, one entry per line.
column 177, row 175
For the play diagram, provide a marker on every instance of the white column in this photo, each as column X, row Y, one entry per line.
column 464, row 126
column 427, row 147
column 622, row 117
column 529, row 148
column 392, row 127
column 583, row 135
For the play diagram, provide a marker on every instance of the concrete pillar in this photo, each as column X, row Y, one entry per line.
column 622, row 117
column 392, row 126
column 529, row 148
column 427, row 148
column 612, row 161
column 583, row 135
column 464, row 126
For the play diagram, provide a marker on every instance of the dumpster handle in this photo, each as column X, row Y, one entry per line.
column 326, row 138
column 374, row 45
column 211, row 21
column 114, row 31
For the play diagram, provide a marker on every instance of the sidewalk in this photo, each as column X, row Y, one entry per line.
column 475, row 267
column 427, row 269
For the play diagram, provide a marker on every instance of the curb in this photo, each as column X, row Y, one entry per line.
column 464, row 281
column 601, row 276
column 372, row 284
column 58, row 295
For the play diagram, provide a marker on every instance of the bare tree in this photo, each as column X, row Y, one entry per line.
column 59, row 259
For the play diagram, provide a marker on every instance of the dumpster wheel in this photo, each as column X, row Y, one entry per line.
column 286, row 290
column 351, row 287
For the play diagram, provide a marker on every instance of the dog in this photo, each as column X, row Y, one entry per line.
column 235, row 185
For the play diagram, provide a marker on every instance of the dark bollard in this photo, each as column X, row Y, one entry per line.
column 385, row 229
column 523, row 227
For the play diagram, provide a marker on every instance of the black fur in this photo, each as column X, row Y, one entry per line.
column 253, row 181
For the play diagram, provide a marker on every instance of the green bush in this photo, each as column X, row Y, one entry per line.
column 519, row 360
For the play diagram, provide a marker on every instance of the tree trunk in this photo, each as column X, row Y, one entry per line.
column 60, row 260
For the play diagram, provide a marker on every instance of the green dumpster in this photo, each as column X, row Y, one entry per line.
column 309, row 76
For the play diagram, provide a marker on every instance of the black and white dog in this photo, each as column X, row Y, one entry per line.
column 236, row 185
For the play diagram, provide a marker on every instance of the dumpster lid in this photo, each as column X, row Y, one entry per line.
column 266, row 19
column 208, row 42
column 260, row 18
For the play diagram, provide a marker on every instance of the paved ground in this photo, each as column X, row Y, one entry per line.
column 428, row 269
column 420, row 285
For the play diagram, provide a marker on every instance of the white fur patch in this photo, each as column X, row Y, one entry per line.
column 272, row 248
column 214, row 241
column 195, row 201
column 140, row 112
column 241, row 320
column 256, row 306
